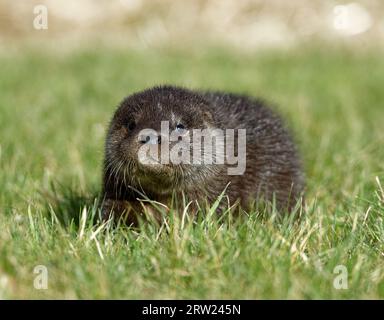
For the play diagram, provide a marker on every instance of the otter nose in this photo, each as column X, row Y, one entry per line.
column 150, row 139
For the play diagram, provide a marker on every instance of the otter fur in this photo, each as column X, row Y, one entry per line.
column 272, row 173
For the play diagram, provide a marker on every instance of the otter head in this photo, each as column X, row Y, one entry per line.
column 150, row 143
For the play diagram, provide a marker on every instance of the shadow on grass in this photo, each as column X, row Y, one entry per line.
column 67, row 203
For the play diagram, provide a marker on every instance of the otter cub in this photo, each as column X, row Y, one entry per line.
column 240, row 128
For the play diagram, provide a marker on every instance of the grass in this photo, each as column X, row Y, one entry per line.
column 54, row 111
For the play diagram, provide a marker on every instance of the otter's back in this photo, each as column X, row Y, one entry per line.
column 272, row 157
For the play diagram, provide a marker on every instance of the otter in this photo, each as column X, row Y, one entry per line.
column 272, row 170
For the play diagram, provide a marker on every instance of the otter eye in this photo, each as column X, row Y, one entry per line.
column 131, row 125
column 180, row 127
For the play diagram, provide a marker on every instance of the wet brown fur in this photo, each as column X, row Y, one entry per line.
column 273, row 170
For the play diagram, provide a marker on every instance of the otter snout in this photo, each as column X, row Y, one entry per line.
column 150, row 138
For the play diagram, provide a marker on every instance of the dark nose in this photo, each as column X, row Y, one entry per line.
column 152, row 139
column 144, row 139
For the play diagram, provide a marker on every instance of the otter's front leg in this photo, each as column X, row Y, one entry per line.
column 129, row 211
column 121, row 209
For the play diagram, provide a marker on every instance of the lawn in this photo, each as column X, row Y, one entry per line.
column 55, row 107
